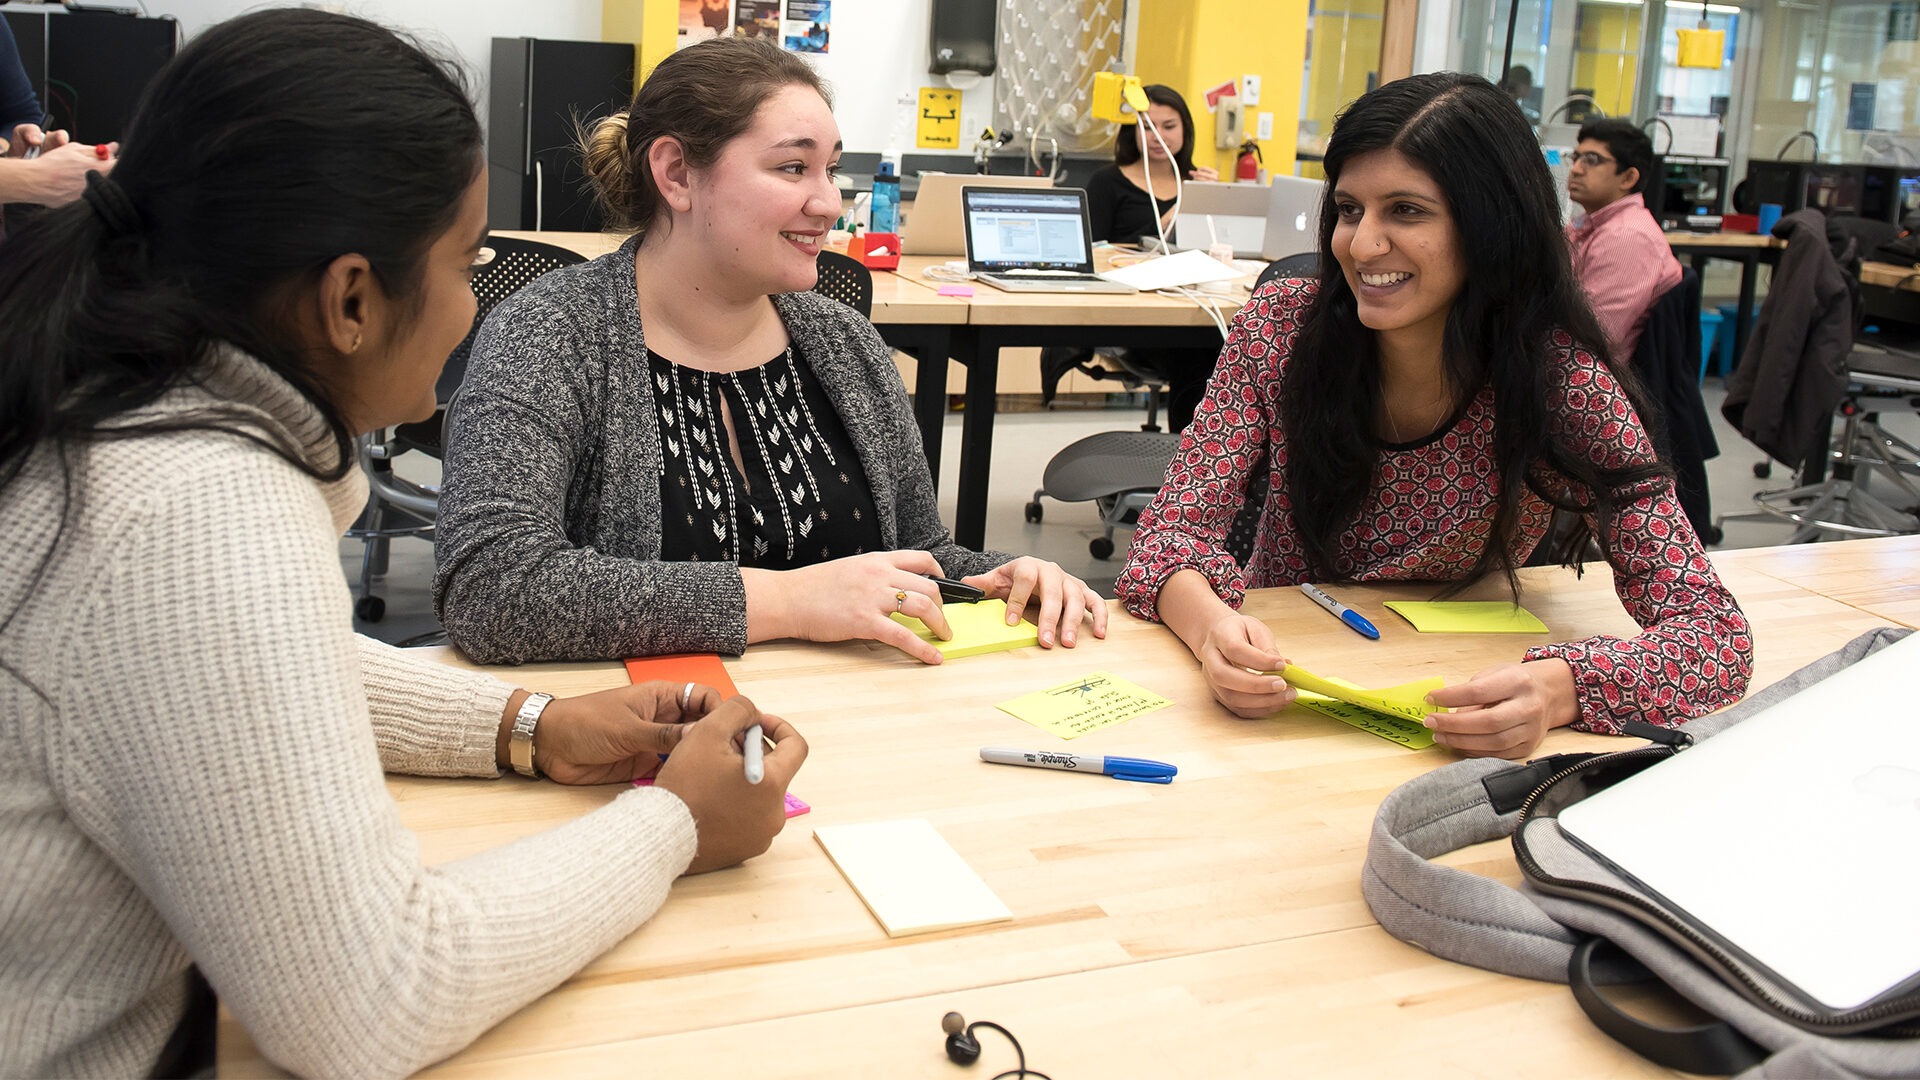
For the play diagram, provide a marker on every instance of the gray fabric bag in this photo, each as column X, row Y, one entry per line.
column 1571, row 906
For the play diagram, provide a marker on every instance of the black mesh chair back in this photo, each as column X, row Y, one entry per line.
column 515, row 263
column 1244, row 533
column 846, row 280
column 1304, row 265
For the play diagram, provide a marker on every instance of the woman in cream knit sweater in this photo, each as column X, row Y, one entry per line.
column 192, row 802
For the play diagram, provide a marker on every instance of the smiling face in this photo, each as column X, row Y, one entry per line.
column 1397, row 245
column 1166, row 121
column 763, row 208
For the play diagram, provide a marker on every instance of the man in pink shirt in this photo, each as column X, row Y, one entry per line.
column 1620, row 257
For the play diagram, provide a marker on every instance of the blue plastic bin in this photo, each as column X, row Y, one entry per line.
column 1729, row 315
column 1709, row 326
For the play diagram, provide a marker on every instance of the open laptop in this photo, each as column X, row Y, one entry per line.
column 934, row 225
column 1791, row 834
column 1215, row 213
column 1026, row 240
column 1293, row 217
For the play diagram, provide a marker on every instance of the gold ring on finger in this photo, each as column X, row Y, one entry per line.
column 900, row 600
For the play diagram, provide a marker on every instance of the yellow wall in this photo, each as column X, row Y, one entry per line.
column 652, row 25
column 1606, row 55
column 1195, row 45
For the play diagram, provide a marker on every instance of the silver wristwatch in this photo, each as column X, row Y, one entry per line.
column 520, row 743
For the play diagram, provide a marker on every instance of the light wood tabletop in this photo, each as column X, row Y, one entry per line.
column 1212, row 927
column 1682, row 239
column 993, row 307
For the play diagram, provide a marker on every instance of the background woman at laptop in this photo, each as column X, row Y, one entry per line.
column 196, row 736
column 744, row 468
column 1122, row 199
column 1424, row 407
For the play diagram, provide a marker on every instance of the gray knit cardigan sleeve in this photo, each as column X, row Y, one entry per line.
column 548, row 543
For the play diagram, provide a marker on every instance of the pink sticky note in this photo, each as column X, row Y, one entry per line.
column 955, row 290
column 795, row 805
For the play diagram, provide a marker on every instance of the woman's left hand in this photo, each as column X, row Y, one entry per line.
column 616, row 735
column 1202, row 172
column 1505, row 711
column 1049, row 597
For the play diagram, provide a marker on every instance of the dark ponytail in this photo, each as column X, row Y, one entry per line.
column 273, row 144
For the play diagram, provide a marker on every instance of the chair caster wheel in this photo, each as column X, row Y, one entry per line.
column 370, row 609
column 1034, row 512
column 1100, row 547
column 1763, row 470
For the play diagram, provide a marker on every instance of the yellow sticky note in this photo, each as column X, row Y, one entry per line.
column 1467, row 617
column 977, row 628
column 910, row 877
column 1408, row 700
column 939, row 123
column 1411, row 734
column 1070, row 710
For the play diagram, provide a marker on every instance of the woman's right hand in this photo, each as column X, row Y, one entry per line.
column 735, row 820
column 1235, row 648
column 850, row 599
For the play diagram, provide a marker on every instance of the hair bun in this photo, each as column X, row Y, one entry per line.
column 604, row 157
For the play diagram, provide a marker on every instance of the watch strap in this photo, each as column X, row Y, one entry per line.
column 520, row 743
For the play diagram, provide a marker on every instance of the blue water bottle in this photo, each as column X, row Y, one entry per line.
column 885, row 215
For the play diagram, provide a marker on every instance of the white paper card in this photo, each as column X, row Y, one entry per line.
column 1173, row 271
column 909, row 876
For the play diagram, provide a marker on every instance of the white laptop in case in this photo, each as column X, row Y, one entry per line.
column 1794, row 835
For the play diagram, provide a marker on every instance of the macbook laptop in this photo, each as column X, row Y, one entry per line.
column 1023, row 240
column 1293, row 217
column 934, row 226
column 1793, row 834
column 1215, row 213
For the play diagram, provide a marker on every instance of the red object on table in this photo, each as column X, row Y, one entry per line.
column 1747, row 223
column 864, row 247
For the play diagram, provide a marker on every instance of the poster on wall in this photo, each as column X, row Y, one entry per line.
column 757, row 18
column 806, row 26
column 701, row 20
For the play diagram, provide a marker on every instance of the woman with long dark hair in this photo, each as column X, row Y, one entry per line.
column 1424, row 407
column 1124, row 197
column 192, row 802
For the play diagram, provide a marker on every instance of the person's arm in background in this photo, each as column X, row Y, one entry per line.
column 1621, row 276
column 18, row 103
column 57, row 176
column 1102, row 198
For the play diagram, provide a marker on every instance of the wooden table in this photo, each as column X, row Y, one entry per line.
column 1210, row 928
column 1747, row 249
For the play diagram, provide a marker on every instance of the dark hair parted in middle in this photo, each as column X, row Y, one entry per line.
column 1630, row 147
column 1126, row 145
column 1518, row 289
column 703, row 96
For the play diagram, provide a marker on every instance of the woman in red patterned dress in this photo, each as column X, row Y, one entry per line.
column 1423, row 408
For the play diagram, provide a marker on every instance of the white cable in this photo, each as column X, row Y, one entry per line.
column 539, row 188
column 1146, row 165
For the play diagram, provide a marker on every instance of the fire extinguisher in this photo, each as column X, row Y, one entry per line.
column 1248, row 167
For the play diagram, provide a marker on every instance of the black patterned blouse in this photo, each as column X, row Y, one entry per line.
column 799, row 495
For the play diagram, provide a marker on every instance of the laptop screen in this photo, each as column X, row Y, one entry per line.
column 1027, row 230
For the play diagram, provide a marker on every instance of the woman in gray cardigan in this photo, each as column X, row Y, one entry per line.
column 742, row 469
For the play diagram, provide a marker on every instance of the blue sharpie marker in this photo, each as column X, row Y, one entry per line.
column 1347, row 615
column 1120, row 768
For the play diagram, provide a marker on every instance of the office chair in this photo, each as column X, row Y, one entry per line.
column 396, row 506
column 1304, row 265
column 1841, row 506
column 846, row 280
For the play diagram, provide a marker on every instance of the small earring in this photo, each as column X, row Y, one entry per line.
column 355, row 347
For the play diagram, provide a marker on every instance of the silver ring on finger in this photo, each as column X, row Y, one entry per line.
column 686, row 696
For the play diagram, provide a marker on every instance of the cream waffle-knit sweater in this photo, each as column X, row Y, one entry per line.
column 194, row 740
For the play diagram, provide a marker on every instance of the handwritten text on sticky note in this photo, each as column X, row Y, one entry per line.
column 1073, row 709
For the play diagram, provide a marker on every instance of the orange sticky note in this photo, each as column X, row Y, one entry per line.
column 703, row 668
